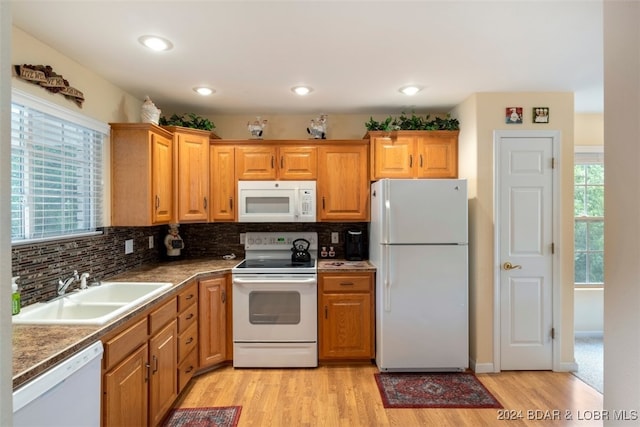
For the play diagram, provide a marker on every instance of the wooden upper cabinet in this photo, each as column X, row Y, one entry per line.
column 192, row 173
column 256, row 162
column 438, row 155
column 414, row 154
column 343, row 184
column 141, row 175
column 268, row 161
column 298, row 163
column 222, row 183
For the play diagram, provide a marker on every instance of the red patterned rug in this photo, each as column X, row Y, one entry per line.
column 223, row 416
column 434, row 390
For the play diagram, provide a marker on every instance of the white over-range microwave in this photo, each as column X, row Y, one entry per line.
column 277, row 201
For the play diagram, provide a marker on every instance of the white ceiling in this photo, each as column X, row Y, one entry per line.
column 355, row 54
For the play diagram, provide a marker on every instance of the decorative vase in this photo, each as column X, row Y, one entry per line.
column 149, row 112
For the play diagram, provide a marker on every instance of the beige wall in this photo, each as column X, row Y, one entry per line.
column 622, row 207
column 589, row 129
column 480, row 115
column 103, row 101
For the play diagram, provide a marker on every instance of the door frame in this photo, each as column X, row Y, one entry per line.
column 556, row 275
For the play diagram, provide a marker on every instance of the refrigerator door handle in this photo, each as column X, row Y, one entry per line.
column 387, row 278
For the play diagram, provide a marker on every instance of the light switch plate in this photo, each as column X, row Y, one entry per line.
column 335, row 237
column 128, row 246
column 150, row 242
column 242, row 238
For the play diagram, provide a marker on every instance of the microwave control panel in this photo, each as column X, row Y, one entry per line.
column 307, row 205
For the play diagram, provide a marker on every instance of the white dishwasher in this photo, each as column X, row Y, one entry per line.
column 67, row 395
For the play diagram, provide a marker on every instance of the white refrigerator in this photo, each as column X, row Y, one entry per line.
column 418, row 241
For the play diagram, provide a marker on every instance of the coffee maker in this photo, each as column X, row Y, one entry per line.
column 355, row 246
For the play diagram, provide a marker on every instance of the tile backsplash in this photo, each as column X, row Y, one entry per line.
column 41, row 265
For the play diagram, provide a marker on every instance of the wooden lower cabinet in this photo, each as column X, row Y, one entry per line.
column 163, row 381
column 125, row 399
column 212, row 300
column 140, row 376
column 346, row 316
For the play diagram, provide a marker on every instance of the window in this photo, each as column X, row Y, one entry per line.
column 56, row 170
column 589, row 216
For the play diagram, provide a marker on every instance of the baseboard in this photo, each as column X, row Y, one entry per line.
column 588, row 334
column 481, row 368
column 567, row 367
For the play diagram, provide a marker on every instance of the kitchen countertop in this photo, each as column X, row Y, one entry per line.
column 332, row 265
column 36, row 348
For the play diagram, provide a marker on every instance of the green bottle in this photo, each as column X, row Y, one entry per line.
column 15, row 296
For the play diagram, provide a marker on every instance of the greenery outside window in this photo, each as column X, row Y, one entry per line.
column 56, row 171
column 589, row 216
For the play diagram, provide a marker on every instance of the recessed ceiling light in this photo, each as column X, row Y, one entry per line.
column 156, row 43
column 410, row 90
column 204, row 91
column 301, row 90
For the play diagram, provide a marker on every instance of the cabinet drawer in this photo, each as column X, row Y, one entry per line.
column 347, row 283
column 187, row 341
column 160, row 317
column 187, row 318
column 188, row 297
column 124, row 343
column 186, row 369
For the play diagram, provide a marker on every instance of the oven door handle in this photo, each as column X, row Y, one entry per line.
column 307, row 281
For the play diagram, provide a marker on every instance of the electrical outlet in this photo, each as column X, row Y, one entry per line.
column 150, row 242
column 242, row 238
column 128, row 246
column 335, row 237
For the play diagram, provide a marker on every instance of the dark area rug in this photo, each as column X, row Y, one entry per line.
column 223, row 416
column 434, row 390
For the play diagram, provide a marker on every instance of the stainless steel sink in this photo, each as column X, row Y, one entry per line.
column 93, row 306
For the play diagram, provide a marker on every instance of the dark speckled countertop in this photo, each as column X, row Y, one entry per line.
column 37, row 348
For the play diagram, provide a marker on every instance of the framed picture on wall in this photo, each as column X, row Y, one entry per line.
column 540, row 114
column 513, row 115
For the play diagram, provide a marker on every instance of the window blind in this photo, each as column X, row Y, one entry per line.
column 56, row 174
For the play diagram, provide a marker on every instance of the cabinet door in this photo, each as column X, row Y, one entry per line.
column 298, row 163
column 255, row 162
column 345, row 326
column 192, row 176
column 438, row 155
column 125, row 395
column 163, row 380
column 223, row 183
column 161, row 179
column 392, row 157
column 343, row 183
column 212, row 321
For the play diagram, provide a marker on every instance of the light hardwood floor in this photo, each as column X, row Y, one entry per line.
column 348, row 396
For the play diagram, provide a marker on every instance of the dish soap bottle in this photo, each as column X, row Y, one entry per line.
column 15, row 296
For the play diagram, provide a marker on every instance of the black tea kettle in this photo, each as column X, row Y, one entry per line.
column 300, row 251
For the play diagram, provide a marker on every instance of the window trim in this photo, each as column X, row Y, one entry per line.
column 30, row 101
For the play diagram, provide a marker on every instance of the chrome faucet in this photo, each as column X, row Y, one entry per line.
column 62, row 286
column 83, row 280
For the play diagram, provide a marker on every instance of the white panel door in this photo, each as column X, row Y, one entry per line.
column 526, row 264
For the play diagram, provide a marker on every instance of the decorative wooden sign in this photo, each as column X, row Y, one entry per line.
column 43, row 75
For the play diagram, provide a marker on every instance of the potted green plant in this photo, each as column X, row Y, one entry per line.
column 190, row 120
column 404, row 122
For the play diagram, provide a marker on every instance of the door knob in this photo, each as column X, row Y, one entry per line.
column 508, row 266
